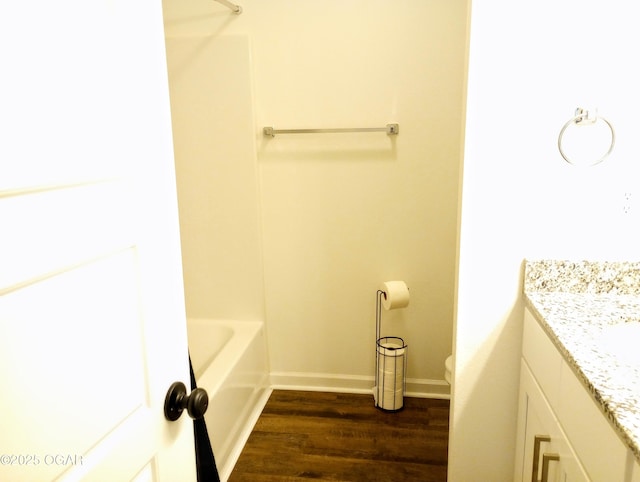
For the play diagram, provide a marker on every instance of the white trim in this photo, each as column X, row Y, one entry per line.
column 328, row 382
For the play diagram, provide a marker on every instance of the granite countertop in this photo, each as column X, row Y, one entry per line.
column 577, row 303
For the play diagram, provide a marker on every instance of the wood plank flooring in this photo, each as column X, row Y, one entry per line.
column 338, row 436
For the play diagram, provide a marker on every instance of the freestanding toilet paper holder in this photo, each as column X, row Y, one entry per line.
column 391, row 366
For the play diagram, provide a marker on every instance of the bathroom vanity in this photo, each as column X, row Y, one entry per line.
column 579, row 416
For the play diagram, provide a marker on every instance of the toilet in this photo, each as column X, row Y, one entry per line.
column 448, row 366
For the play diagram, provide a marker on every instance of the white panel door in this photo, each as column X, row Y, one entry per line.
column 92, row 323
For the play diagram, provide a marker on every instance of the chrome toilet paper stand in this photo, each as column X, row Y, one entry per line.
column 392, row 353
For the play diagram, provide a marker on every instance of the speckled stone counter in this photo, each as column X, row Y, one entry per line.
column 576, row 303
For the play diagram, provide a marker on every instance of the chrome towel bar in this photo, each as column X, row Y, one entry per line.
column 390, row 129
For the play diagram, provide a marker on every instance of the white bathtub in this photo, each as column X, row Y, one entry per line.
column 229, row 361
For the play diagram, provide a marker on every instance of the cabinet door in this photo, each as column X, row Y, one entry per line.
column 543, row 451
column 536, row 433
column 635, row 471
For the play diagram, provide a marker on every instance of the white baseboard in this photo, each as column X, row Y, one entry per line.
column 325, row 382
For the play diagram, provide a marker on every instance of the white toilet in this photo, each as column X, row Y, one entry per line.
column 448, row 366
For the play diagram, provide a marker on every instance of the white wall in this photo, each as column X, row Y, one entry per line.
column 342, row 213
column 529, row 68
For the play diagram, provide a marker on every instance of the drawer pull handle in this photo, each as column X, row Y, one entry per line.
column 546, row 458
column 537, row 440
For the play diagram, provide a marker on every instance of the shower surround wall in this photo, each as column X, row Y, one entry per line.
column 340, row 213
column 212, row 118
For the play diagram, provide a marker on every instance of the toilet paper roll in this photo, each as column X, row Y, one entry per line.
column 390, row 400
column 397, row 374
column 391, row 349
column 396, row 295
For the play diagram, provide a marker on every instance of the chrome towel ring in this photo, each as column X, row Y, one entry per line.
column 582, row 118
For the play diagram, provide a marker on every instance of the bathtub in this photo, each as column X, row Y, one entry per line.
column 230, row 362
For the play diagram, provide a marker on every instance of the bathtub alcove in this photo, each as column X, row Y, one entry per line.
column 230, row 362
column 216, row 180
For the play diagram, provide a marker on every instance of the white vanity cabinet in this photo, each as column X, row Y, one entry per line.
column 543, row 451
column 562, row 433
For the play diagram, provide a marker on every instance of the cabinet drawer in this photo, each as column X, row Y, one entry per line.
column 542, row 357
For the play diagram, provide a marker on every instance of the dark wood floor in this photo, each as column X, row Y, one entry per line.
column 337, row 436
